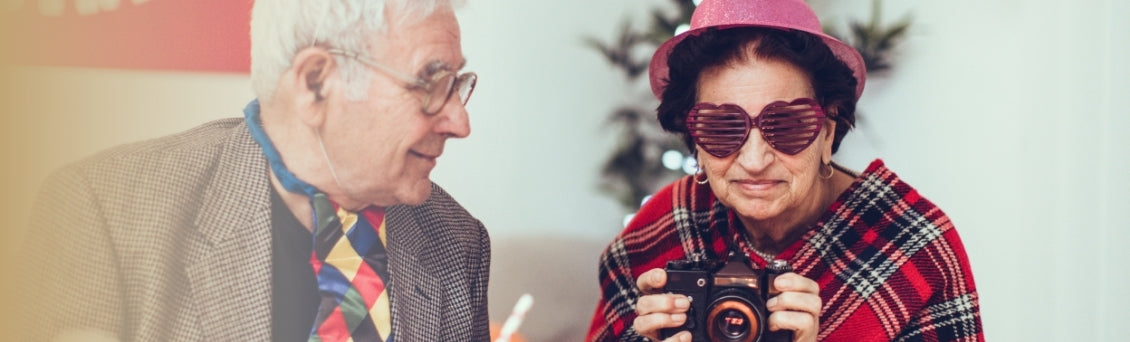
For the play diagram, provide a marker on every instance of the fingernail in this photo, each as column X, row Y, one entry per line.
column 679, row 318
column 783, row 282
column 685, row 336
column 772, row 302
column 682, row 303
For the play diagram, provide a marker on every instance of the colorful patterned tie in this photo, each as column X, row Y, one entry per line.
column 355, row 303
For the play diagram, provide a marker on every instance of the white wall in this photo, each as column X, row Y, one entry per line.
column 1011, row 116
column 1008, row 114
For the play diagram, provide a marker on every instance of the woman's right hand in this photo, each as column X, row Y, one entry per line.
column 656, row 310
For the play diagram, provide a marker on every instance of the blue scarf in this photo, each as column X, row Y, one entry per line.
column 318, row 201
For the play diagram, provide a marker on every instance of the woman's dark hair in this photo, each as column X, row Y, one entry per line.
column 831, row 79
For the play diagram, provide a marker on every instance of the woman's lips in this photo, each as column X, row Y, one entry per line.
column 757, row 185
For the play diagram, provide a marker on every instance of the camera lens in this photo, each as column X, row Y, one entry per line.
column 732, row 323
column 733, row 317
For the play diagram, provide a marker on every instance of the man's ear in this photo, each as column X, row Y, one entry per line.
column 314, row 77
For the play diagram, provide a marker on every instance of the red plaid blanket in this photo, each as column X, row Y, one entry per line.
column 889, row 263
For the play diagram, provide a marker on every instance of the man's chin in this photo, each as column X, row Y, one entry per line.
column 417, row 194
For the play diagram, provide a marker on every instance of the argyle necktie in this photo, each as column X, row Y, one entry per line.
column 349, row 257
column 351, row 264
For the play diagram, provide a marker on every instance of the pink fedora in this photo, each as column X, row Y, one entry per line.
column 781, row 14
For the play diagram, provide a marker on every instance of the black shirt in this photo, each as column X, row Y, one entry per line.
column 294, row 295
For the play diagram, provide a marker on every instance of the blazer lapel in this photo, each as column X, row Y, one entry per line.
column 229, row 262
column 417, row 295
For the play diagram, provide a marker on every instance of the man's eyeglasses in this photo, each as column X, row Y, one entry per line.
column 437, row 90
column 789, row 127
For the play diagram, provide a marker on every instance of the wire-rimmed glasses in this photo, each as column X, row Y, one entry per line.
column 436, row 90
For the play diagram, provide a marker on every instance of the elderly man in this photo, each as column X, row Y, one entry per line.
column 312, row 218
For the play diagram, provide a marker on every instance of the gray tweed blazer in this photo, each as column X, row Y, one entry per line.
column 169, row 240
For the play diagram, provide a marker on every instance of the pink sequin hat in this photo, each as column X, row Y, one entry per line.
column 780, row 14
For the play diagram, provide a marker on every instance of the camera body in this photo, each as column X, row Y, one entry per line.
column 727, row 299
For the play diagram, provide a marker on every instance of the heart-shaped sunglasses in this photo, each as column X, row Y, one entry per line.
column 789, row 127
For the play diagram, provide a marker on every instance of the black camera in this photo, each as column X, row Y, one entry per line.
column 727, row 299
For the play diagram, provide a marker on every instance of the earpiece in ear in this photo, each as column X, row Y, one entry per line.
column 316, row 88
column 316, row 83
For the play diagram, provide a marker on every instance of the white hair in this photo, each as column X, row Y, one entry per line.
column 281, row 28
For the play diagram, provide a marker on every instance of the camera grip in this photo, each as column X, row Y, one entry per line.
column 666, row 333
column 693, row 281
column 774, row 269
column 780, row 335
column 689, row 325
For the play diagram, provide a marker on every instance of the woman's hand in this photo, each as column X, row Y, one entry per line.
column 796, row 308
column 656, row 310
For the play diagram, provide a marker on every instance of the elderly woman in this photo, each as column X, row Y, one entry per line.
column 764, row 99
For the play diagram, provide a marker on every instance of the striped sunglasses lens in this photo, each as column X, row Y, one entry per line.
column 789, row 127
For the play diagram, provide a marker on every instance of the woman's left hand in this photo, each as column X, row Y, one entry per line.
column 796, row 308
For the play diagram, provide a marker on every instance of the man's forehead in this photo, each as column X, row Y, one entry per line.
column 428, row 45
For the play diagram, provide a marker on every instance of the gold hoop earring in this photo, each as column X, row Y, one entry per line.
column 704, row 179
column 831, row 172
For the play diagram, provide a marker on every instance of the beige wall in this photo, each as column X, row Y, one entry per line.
column 54, row 116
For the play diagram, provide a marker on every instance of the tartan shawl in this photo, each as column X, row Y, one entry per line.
column 889, row 263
